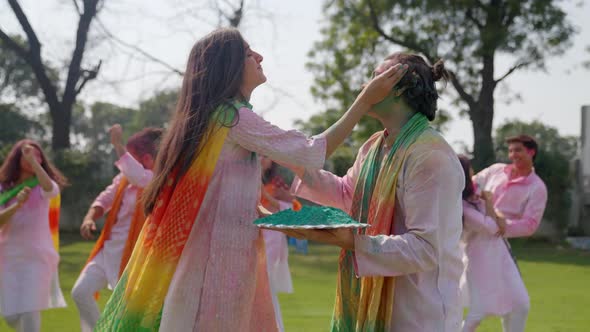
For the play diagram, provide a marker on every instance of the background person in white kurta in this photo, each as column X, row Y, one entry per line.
column 275, row 199
column 493, row 284
column 29, row 281
column 135, row 164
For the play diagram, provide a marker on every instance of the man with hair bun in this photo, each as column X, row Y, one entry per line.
column 402, row 273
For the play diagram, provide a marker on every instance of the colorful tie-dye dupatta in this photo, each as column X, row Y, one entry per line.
column 138, row 300
column 365, row 304
column 54, row 207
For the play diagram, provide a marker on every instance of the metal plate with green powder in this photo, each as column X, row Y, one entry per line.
column 309, row 217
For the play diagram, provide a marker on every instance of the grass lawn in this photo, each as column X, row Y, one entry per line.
column 558, row 281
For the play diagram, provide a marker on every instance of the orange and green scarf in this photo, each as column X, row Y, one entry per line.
column 54, row 206
column 366, row 304
column 138, row 300
column 137, row 222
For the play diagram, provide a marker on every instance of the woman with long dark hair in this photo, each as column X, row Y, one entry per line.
column 28, row 229
column 199, row 264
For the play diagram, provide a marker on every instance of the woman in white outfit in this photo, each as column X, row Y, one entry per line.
column 491, row 282
column 29, row 280
column 275, row 198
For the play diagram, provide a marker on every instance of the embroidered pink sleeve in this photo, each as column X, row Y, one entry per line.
column 293, row 147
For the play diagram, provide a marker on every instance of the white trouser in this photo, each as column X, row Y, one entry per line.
column 25, row 322
column 91, row 280
column 513, row 321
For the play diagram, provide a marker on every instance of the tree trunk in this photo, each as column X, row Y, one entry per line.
column 482, row 115
column 61, row 120
column 59, row 109
column 483, row 146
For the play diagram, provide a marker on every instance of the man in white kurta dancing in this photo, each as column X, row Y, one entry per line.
column 113, row 248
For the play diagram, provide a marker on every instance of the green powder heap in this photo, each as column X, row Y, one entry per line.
column 309, row 216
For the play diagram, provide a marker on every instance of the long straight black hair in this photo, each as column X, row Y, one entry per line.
column 466, row 165
column 213, row 76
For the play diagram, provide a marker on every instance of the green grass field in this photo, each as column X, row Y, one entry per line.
column 558, row 281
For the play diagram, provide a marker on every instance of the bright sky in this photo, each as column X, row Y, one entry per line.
column 283, row 32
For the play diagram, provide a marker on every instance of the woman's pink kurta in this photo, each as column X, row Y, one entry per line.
column 28, row 261
column 221, row 281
